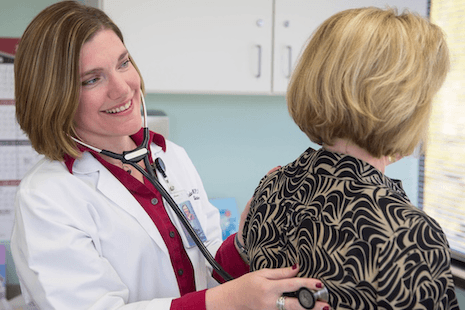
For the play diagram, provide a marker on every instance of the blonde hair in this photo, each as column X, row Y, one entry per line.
column 369, row 75
column 47, row 77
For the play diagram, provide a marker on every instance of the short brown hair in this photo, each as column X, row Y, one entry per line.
column 47, row 77
column 369, row 75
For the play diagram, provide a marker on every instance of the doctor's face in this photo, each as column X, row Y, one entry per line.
column 109, row 104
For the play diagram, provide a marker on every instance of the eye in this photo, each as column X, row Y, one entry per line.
column 125, row 63
column 90, row 81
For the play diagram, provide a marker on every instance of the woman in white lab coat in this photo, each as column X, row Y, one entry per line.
column 90, row 232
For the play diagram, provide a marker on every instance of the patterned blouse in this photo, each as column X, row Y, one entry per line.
column 347, row 224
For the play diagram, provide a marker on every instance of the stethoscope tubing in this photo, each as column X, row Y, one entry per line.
column 306, row 298
column 141, row 153
column 153, row 179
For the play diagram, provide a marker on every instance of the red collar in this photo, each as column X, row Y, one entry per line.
column 137, row 137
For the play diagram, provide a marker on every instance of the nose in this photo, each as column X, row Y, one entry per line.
column 117, row 86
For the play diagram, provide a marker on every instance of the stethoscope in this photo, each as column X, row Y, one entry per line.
column 306, row 297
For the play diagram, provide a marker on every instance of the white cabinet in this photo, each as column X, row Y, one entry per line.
column 224, row 46
column 201, row 46
column 296, row 20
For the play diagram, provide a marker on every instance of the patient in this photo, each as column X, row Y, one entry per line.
column 362, row 89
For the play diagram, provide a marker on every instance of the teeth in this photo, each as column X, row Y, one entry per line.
column 119, row 109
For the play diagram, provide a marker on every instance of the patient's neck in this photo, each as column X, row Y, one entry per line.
column 347, row 147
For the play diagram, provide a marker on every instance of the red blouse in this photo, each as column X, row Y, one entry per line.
column 150, row 199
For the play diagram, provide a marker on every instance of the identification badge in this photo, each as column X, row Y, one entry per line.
column 187, row 210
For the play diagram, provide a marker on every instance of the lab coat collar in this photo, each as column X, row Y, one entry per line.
column 138, row 137
column 90, row 169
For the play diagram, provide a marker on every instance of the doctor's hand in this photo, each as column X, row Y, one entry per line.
column 261, row 290
column 244, row 215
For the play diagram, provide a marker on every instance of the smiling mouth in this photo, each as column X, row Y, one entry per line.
column 119, row 109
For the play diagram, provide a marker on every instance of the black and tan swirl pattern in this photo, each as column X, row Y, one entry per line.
column 347, row 224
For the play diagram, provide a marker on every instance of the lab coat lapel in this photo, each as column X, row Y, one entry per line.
column 114, row 190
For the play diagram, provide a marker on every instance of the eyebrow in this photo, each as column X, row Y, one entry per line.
column 93, row 71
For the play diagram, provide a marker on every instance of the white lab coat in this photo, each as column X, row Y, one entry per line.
column 82, row 241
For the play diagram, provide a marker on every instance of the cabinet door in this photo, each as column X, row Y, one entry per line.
column 295, row 21
column 201, row 46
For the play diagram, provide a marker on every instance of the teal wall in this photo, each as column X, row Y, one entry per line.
column 15, row 15
column 232, row 140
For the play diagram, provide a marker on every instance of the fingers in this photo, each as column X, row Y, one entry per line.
column 247, row 206
column 261, row 289
column 279, row 273
column 293, row 304
column 242, row 220
column 273, row 170
column 294, row 284
column 286, row 282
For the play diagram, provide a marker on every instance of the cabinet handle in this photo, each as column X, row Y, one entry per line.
column 289, row 52
column 259, row 61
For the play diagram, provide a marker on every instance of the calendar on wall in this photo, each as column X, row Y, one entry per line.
column 16, row 154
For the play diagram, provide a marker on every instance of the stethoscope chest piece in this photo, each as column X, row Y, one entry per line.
column 307, row 298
